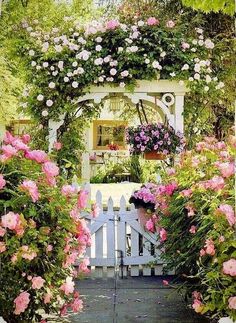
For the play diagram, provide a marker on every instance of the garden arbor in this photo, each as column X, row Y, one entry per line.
column 167, row 97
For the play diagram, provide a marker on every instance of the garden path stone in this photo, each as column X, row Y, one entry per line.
column 131, row 300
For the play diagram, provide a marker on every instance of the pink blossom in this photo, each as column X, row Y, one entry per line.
column 57, row 145
column 82, row 199
column 228, row 211
column 20, row 145
column 150, row 225
column 68, row 190
column 216, row 183
column 197, row 295
column 232, row 303
column 202, row 252
column 170, row 24
column 170, row 171
column 68, row 286
column 74, row 214
column 185, row 45
column 14, row 258
column 2, row 231
column 83, row 266
column 28, row 253
column 163, row 234
column 165, row 282
column 186, row 193
column 2, row 182
column 229, row 267
column 197, row 306
column 152, row 21
column 47, row 297
column 191, row 210
column 9, row 151
column 8, row 138
column 50, row 169
column 95, row 209
column 226, row 169
column 37, row 155
column 170, row 188
column 21, row 302
column 112, row 24
column 10, row 220
column 76, row 305
column 37, row 282
column 2, row 246
column 193, row 229
column 30, row 187
column 25, row 138
column 49, row 248
column 221, row 239
column 209, row 247
column 63, row 310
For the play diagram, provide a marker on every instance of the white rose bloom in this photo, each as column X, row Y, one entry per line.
column 33, row 63
column 45, row 47
column 44, row 113
column 199, row 30
column 202, row 63
column 81, row 40
column 98, row 61
column 140, row 23
column 201, row 37
column 84, row 55
column 52, row 68
column 40, row 97
column 31, row 52
column 163, row 54
column 194, row 42
column 107, row 59
column 51, row 85
column 113, row 63
column 128, row 40
column 110, row 79
column 172, row 74
column 133, row 49
column 193, row 50
column 45, row 64
column 122, row 84
column 197, row 68
column 206, row 88
column 113, row 71
column 120, row 49
column 66, row 79
column 74, row 64
column 69, row 74
column 209, row 70
column 208, row 78
column 101, row 79
column 147, row 61
column 60, row 65
column 38, row 67
column 98, row 48
column 124, row 73
column 98, row 39
column 190, row 79
column 80, row 70
column 197, row 76
column 155, row 64
column 185, row 67
column 135, row 35
column 200, row 42
column 49, row 103
column 54, row 73
column 209, row 44
column 58, row 48
column 75, row 84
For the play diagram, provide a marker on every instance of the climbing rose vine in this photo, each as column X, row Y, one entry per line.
column 63, row 63
column 42, row 234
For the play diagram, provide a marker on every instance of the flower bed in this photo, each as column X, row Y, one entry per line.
column 42, row 234
column 199, row 226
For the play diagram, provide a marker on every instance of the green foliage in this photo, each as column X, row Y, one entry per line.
column 226, row 6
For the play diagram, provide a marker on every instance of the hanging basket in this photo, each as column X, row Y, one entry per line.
column 154, row 155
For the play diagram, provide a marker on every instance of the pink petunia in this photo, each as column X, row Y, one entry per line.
column 57, row 145
column 2, row 182
column 229, row 267
column 210, row 247
column 30, row 187
column 186, row 193
column 76, row 305
column 165, row 282
column 2, row 231
column 47, row 297
column 197, row 306
column 8, row 138
column 37, row 282
column 26, row 138
column 21, row 302
column 83, row 266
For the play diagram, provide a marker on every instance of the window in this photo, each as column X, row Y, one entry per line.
column 107, row 132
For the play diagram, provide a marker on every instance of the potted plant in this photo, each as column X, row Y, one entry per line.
column 155, row 141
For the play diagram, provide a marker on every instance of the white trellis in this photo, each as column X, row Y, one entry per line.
column 120, row 244
column 154, row 93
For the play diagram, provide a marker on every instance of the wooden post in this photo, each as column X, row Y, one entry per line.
column 179, row 110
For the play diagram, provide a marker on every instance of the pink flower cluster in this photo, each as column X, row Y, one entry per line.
column 197, row 303
column 208, row 249
column 228, row 211
column 12, row 221
column 31, row 188
column 229, row 267
column 21, row 302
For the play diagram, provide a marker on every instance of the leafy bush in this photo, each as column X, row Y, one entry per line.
column 197, row 225
column 41, row 235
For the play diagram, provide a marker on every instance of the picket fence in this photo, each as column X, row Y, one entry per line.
column 120, row 245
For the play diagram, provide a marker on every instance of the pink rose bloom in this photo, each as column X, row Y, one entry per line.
column 165, row 282
column 10, row 220
column 170, row 188
column 83, row 266
column 186, row 193
column 74, row 213
column 68, row 286
column 193, row 229
column 37, row 282
column 63, row 310
column 163, row 234
column 47, row 298
column 232, row 303
column 50, row 169
column 209, row 247
column 21, row 302
column 9, row 151
column 191, row 210
column 28, row 253
column 197, row 306
column 228, row 211
column 2, row 231
column 185, row 45
column 37, row 155
column 95, row 209
column 57, row 145
column 202, row 252
column 8, row 138
column 170, row 24
column 31, row 188
column 226, row 169
column 152, row 21
column 68, row 190
column 112, row 24
column 76, row 305
column 2, row 182
column 82, row 199
column 150, row 225
column 25, row 138
column 14, row 259
column 49, row 248
column 229, row 267
column 19, row 145
column 2, row 246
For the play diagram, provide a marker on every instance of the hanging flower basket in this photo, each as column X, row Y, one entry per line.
column 153, row 155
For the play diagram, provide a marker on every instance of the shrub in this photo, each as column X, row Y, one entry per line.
column 42, row 233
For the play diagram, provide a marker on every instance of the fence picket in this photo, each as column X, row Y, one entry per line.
column 121, row 233
column 110, row 236
column 146, row 252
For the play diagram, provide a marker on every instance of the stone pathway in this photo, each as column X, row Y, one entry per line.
column 131, row 300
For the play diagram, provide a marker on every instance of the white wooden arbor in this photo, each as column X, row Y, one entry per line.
column 166, row 96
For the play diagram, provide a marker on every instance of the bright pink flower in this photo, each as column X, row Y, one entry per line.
column 68, row 190
column 83, row 266
column 186, row 193
column 165, row 282
column 8, row 138
column 2, row 231
column 226, row 169
column 30, row 187
column 76, row 305
column 68, row 286
column 10, row 220
column 82, row 199
column 202, row 252
column 197, row 306
column 170, row 24
column 2, row 246
column 228, row 211
column 232, row 303
column 2, row 182
column 37, row 282
column 19, row 145
column 112, row 24
column 163, row 234
column 152, row 21
column 50, row 169
column 63, row 310
column 95, row 209
column 210, row 247
column 229, row 267
column 26, row 138
column 9, row 151
column 193, row 229
column 21, row 302
column 150, row 225
column 197, row 295
column 37, row 155
column 57, row 145
column 170, row 188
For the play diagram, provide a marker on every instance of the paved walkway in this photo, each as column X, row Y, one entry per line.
column 141, row 299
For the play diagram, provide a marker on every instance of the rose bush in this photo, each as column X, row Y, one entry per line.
column 42, row 234
column 199, row 225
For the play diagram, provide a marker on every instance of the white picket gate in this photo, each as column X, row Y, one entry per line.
column 120, row 244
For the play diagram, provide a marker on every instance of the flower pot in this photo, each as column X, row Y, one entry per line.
column 143, row 216
column 154, row 155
